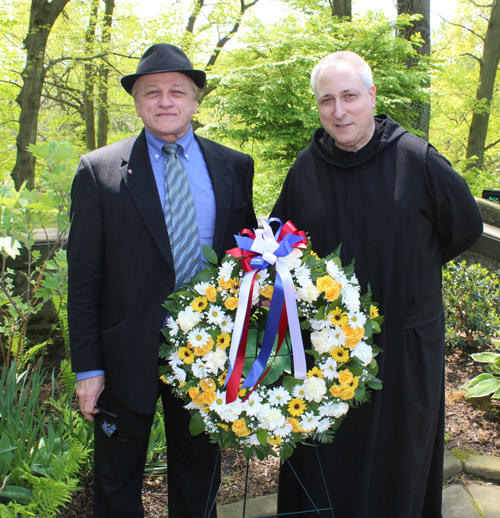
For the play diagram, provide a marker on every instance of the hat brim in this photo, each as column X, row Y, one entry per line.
column 198, row 76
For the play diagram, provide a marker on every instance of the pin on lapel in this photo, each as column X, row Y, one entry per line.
column 129, row 171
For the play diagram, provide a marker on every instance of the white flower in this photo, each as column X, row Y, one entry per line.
column 219, row 401
column 188, row 318
column 216, row 360
column 271, row 417
column 350, row 297
column 333, row 270
column 201, row 288
column 357, row 319
column 302, row 275
column 309, row 421
column 329, row 368
column 292, row 260
column 333, row 409
column 226, row 325
column 308, row 293
column 172, row 325
column 364, row 352
column 284, row 430
column 337, row 336
column 230, row 412
column 320, row 324
column 298, row 391
column 321, row 341
column 199, row 369
column 279, row 396
column 323, row 425
column 198, row 337
column 226, row 271
column 179, row 373
column 262, row 276
column 215, row 315
column 192, row 406
column 252, row 440
column 253, row 404
column 314, row 389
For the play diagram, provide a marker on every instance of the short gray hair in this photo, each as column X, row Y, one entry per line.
column 348, row 57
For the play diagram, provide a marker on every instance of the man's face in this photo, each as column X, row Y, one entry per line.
column 345, row 106
column 166, row 103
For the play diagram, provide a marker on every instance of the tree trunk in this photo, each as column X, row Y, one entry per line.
column 421, row 26
column 341, row 8
column 488, row 65
column 43, row 15
column 89, row 86
column 102, row 107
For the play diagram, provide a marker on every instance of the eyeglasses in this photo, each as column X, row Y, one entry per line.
column 108, row 426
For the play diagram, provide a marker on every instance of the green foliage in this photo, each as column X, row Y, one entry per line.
column 263, row 92
column 472, row 305
column 25, row 214
column 486, row 384
column 42, row 448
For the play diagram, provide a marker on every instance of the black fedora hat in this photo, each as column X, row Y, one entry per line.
column 164, row 57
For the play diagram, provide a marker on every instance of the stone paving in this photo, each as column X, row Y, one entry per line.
column 476, row 500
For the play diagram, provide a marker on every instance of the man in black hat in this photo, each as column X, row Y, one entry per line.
column 124, row 260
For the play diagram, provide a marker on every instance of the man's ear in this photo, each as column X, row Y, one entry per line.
column 372, row 92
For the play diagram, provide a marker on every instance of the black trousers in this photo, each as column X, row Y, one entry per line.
column 193, row 463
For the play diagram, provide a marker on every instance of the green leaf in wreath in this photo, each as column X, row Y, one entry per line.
column 262, row 436
column 196, row 424
column 209, row 254
column 375, row 384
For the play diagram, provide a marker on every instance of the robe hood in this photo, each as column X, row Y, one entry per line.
column 387, row 132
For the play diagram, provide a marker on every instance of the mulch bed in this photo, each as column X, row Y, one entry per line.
column 471, row 425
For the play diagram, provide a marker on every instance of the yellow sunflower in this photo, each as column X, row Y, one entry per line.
column 223, row 341
column 318, row 373
column 199, row 304
column 338, row 317
column 373, row 312
column 296, row 407
column 340, row 355
column 186, row 355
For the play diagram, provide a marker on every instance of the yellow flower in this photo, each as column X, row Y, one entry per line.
column 275, row 440
column 373, row 312
column 335, row 390
column 267, row 292
column 193, row 392
column 295, row 424
column 199, row 303
column 353, row 335
column 347, row 393
column 296, row 407
column 242, row 392
column 207, row 385
column 334, row 292
column 338, row 317
column 231, row 303
column 224, row 341
column 318, row 373
column 340, row 355
column 325, row 283
column 164, row 380
column 204, row 398
column 186, row 355
column 222, row 378
column 203, row 349
column 240, row 428
column 226, row 285
column 211, row 294
column 345, row 377
column 223, row 426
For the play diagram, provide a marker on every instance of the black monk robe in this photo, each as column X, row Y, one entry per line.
column 401, row 211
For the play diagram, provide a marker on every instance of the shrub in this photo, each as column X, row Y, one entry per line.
column 472, row 305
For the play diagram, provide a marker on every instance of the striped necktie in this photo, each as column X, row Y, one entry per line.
column 180, row 217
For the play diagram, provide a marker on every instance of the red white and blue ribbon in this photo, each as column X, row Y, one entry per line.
column 256, row 251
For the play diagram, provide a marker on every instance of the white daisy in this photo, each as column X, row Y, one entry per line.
column 215, row 315
column 198, row 337
column 279, row 396
column 309, row 421
column 172, row 325
column 199, row 369
column 298, row 391
column 357, row 319
column 201, row 288
column 226, row 325
column 333, row 409
column 329, row 368
column 226, row 271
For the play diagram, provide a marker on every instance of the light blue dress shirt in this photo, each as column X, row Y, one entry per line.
column 192, row 159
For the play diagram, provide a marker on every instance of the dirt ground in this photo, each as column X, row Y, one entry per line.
column 471, row 425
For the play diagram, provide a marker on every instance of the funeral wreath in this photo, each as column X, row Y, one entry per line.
column 239, row 362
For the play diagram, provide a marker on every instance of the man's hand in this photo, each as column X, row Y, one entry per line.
column 88, row 392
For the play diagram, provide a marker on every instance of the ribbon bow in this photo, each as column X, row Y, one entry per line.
column 256, row 251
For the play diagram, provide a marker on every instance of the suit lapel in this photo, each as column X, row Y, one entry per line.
column 222, row 182
column 137, row 175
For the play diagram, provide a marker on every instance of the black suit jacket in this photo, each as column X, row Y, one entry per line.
column 120, row 262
